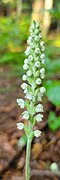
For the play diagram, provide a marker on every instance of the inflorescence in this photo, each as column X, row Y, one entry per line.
column 33, row 77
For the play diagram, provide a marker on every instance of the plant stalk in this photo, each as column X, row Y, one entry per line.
column 28, row 158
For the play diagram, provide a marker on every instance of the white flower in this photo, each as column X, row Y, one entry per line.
column 43, row 61
column 25, row 66
column 32, row 34
column 42, row 56
column 39, row 96
column 24, row 86
column 27, row 52
column 37, row 133
column 29, row 73
column 38, row 81
column 37, row 50
column 30, row 58
column 32, row 26
column 54, row 167
column 31, row 45
column 40, row 36
column 21, row 103
column 39, row 108
column 25, row 91
column 42, row 76
column 25, row 115
column 24, row 77
column 43, row 48
column 28, row 96
column 42, row 89
column 36, row 38
column 37, row 64
column 36, row 31
column 41, row 43
column 42, row 70
column 20, row 126
column 29, row 40
column 26, row 61
column 39, row 117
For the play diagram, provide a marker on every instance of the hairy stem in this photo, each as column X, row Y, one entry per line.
column 28, row 158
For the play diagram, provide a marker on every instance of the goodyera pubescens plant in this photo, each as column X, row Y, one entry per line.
column 32, row 87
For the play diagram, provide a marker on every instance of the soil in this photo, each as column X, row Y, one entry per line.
column 45, row 150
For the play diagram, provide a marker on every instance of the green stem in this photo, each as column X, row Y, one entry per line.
column 28, row 158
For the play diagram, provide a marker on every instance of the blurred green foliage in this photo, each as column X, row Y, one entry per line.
column 53, row 121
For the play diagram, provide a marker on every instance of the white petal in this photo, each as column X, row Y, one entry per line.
column 20, row 126
column 38, row 81
column 24, row 85
column 25, row 115
column 37, row 64
column 37, row 133
column 39, row 108
column 42, row 70
column 26, row 61
column 21, row 103
column 42, row 56
column 24, row 77
column 25, row 66
column 39, row 117
column 37, row 50
column 29, row 73
column 42, row 89
column 30, row 58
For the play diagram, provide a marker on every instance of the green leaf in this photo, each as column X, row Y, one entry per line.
column 53, row 121
column 53, row 91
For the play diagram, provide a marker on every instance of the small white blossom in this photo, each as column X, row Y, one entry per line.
column 41, row 43
column 38, row 81
column 54, row 167
column 28, row 96
column 25, row 115
column 29, row 40
column 42, row 70
column 39, row 108
column 42, row 89
column 42, row 56
column 21, row 103
column 37, row 64
column 36, row 31
column 20, row 126
column 37, row 50
column 24, row 77
column 36, row 38
column 32, row 34
column 27, row 52
column 26, row 61
column 43, row 61
column 25, row 66
column 40, row 36
column 40, row 96
column 25, row 91
column 24, row 86
column 29, row 73
column 43, row 48
column 39, row 117
column 37, row 133
column 30, row 58
column 42, row 76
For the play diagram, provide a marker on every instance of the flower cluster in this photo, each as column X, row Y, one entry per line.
column 34, row 74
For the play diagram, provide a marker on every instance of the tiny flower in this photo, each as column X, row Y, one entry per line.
column 37, row 133
column 39, row 97
column 41, row 43
column 43, row 48
column 25, row 91
column 42, row 89
column 42, row 56
column 24, row 86
column 28, row 96
column 38, row 81
column 32, row 34
column 21, row 103
column 25, row 115
column 30, row 58
column 54, row 167
column 37, row 64
column 20, row 126
column 29, row 40
column 29, row 73
column 36, row 31
column 37, row 50
column 24, row 77
column 42, row 76
column 39, row 117
column 36, row 38
column 43, row 61
column 26, row 61
column 27, row 52
column 39, row 108
column 42, row 70
column 40, row 36
column 25, row 66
